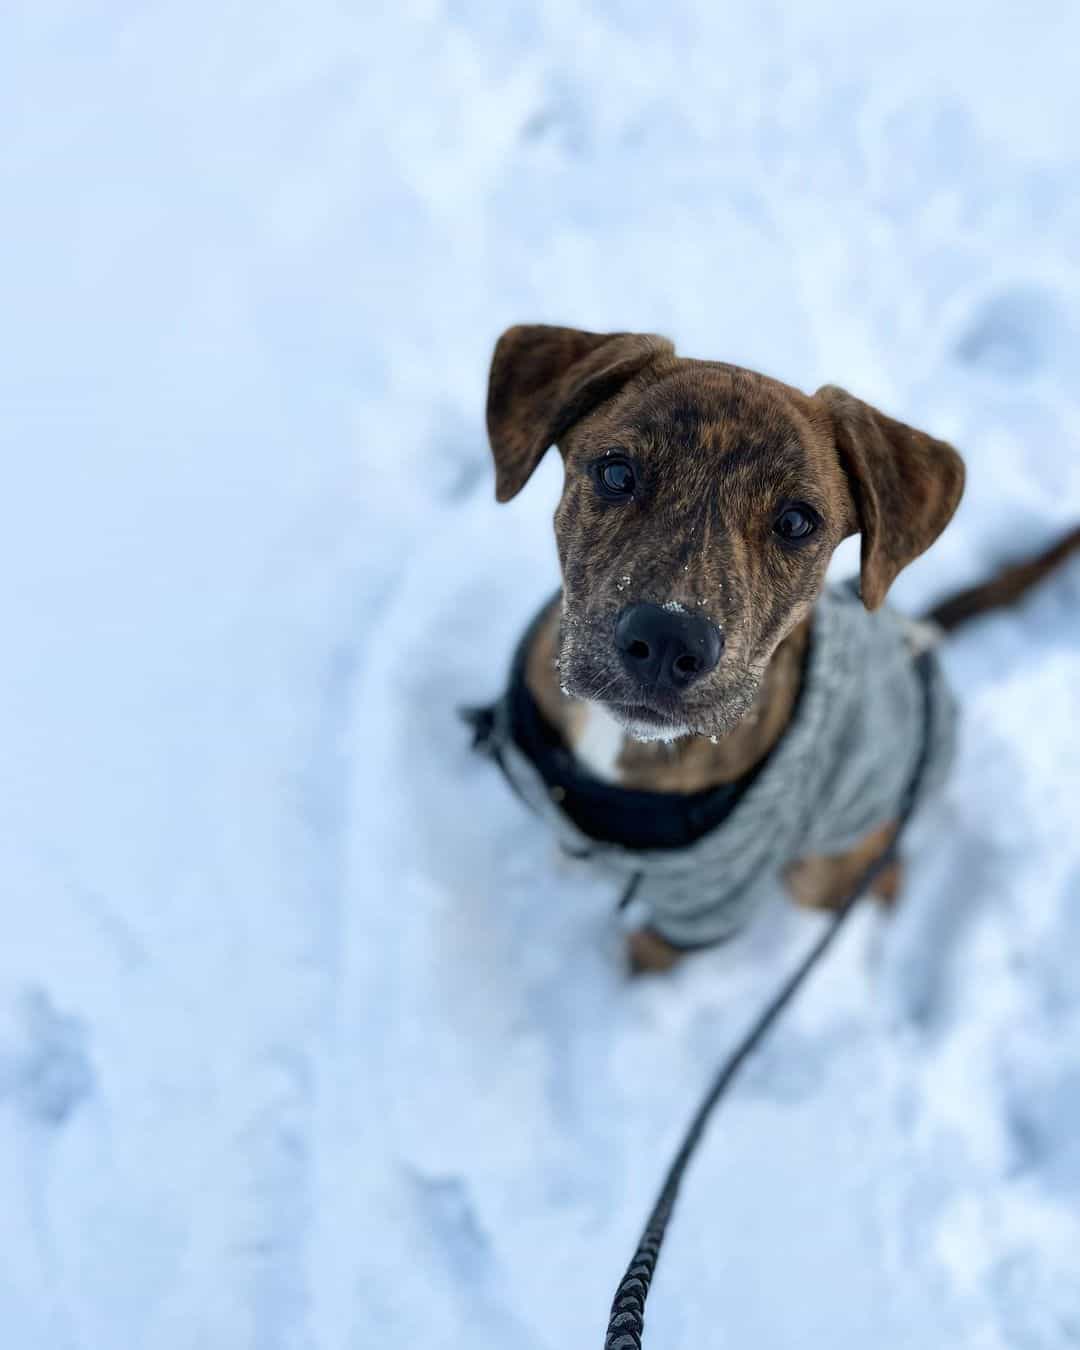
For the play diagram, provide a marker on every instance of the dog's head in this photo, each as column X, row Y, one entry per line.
column 701, row 505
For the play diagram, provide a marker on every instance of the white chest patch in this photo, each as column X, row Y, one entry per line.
column 599, row 743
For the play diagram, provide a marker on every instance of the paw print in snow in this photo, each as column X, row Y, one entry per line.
column 51, row 1074
column 1012, row 333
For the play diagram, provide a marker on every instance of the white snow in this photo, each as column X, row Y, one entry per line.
column 306, row 1039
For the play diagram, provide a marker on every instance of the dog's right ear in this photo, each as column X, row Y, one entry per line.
column 545, row 379
column 905, row 484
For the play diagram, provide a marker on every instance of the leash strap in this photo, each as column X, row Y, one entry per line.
column 627, row 1320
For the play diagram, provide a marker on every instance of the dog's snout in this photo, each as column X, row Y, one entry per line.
column 666, row 648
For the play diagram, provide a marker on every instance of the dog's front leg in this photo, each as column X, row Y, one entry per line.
column 648, row 951
column 824, row 882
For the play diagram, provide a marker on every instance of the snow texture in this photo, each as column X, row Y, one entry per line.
column 306, row 1040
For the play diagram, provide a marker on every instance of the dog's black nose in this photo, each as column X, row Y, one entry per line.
column 667, row 648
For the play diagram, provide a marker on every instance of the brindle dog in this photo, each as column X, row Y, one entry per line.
column 701, row 506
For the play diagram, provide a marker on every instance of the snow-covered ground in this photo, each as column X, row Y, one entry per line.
column 305, row 1040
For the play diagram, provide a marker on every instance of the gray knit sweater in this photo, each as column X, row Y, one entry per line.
column 841, row 769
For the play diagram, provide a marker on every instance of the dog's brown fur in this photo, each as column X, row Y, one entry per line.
column 717, row 451
column 1010, row 584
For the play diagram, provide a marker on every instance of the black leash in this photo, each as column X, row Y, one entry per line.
column 628, row 1306
column 627, row 1319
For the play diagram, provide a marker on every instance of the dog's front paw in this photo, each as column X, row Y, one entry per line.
column 648, row 951
column 889, row 883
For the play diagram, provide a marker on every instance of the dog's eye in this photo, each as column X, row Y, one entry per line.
column 615, row 477
column 795, row 523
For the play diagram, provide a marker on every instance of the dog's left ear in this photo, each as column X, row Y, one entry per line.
column 545, row 379
column 905, row 485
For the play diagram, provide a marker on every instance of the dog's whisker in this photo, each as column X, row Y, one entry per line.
column 605, row 687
